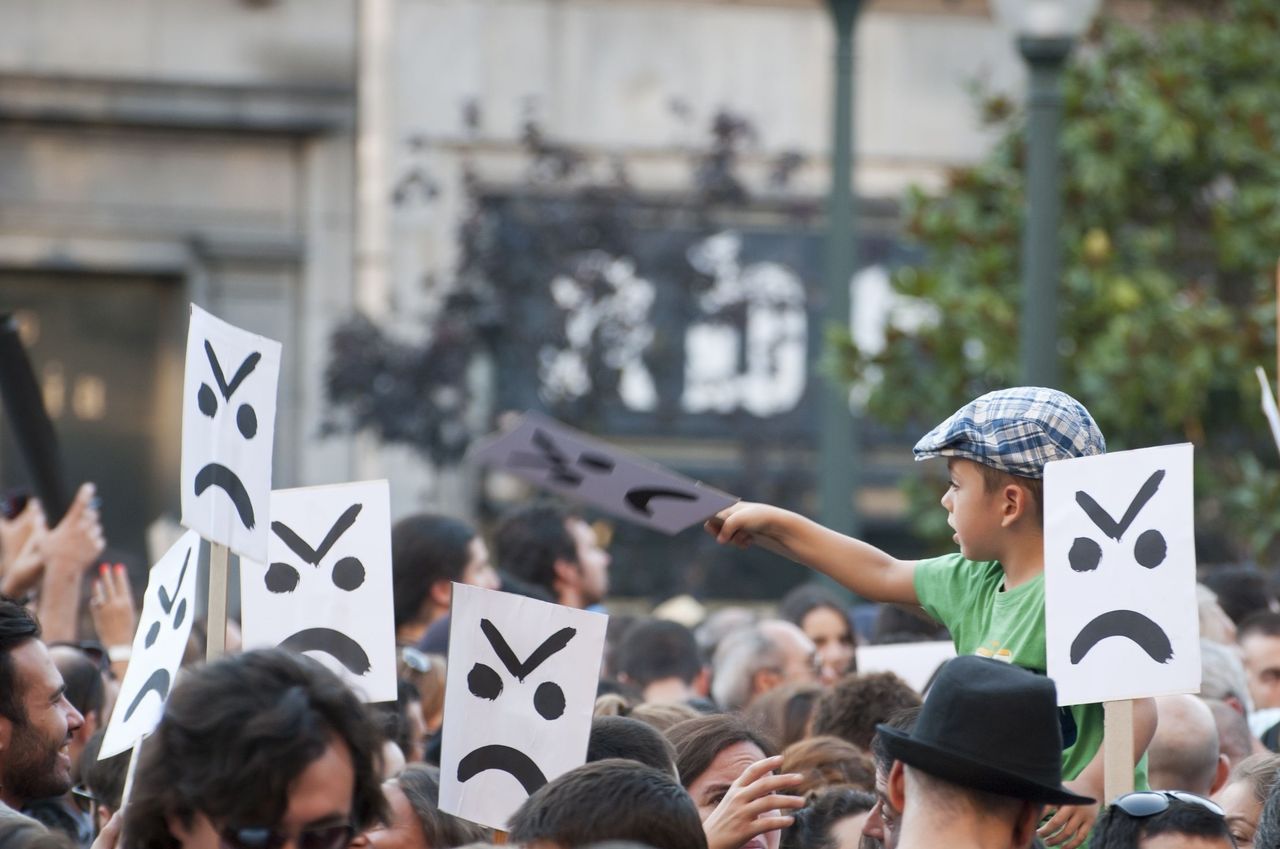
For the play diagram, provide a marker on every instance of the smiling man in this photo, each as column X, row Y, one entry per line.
column 264, row 750
column 36, row 720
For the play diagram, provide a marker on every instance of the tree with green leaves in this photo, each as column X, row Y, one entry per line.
column 1170, row 237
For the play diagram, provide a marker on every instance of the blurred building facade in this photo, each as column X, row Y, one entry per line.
column 159, row 152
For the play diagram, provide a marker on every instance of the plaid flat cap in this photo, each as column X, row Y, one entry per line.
column 1017, row 431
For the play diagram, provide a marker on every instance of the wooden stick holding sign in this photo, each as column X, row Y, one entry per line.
column 216, row 645
column 1117, row 742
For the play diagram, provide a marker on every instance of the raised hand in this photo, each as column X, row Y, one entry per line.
column 752, row 806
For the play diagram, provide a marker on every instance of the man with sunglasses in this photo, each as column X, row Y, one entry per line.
column 263, row 750
column 1156, row 819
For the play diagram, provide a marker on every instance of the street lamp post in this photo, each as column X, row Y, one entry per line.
column 838, row 462
column 1046, row 31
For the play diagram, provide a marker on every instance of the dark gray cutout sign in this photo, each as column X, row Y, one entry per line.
column 556, row 457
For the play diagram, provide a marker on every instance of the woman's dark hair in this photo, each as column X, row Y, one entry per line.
column 103, row 778
column 17, row 625
column 804, row 599
column 236, row 733
column 425, row 548
column 421, row 786
column 813, row 822
column 698, row 741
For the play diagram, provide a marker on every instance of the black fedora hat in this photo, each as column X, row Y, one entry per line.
column 989, row 726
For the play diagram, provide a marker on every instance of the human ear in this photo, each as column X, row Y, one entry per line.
column 1024, row 827
column 896, row 786
column 1015, row 502
column 441, row 593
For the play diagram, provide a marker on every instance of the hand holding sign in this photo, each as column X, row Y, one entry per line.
column 569, row 462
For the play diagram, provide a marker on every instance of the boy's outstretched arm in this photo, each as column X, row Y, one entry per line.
column 863, row 568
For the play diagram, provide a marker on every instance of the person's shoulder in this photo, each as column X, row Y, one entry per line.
column 951, row 584
column 957, row 567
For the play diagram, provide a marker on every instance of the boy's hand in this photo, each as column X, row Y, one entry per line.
column 1070, row 825
column 745, row 524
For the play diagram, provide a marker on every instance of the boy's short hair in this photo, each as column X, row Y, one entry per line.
column 993, row 479
column 610, row 800
column 853, row 708
column 618, row 737
column 1016, row 431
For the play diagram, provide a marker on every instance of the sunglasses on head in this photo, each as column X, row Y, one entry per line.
column 321, row 837
column 83, row 798
column 1147, row 803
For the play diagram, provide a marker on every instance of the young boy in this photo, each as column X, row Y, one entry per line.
column 991, row 594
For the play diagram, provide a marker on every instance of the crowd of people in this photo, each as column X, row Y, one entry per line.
column 727, row 729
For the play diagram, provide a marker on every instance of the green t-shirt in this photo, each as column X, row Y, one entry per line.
column 966, row 596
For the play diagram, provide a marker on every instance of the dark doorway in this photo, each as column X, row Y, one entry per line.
column 108, row 354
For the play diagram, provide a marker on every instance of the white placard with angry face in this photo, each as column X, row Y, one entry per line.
column 168, row 609
column 517, row 711
column 228, row 426
column 1121, row 619
column 326, row 587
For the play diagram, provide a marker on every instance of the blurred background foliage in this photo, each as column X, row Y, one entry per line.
column 1171, row 232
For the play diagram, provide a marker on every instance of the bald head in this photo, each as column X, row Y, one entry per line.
column 1184, row 754
column 1235, row 740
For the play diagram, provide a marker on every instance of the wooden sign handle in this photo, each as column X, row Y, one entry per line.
column 499, row 838
column 1117, row 745
column 216, row 644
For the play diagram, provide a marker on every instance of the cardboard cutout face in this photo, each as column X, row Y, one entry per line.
column 521, row 686
column 1121, row 616
column 168, row 609
column 563, row 460
column 228, row 427
column 326, row 588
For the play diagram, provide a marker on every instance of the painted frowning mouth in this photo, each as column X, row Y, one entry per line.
column 504, row 759
column 216, row 474
column 333, row 643
column 1129, row 624
column 158, row 683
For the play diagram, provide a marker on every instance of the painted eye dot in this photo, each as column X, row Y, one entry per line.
column 247, row 421
column 1150, row 549
column 548, row 700
column 152, row 633
column 348, row 574
column 483, row 682
column 207, row 400
column 180, row 614
column 281, row 578
column 1085, row 555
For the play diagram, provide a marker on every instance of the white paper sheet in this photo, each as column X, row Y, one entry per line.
column 228, row 426
column 326, row 587
column 1121, row 617
column 517, row 711
column 914, row 663
column 168, row 609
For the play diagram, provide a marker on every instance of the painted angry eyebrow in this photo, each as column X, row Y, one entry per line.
column 550, row 646
column 246, row 368
column 300, row 547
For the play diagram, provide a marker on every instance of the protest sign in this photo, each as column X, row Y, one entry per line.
column 521, row 686
column 566, row 461
column 1121, row 616
column 168, row 609
column 228, row 425
column 914, row 663
column 325, row 587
